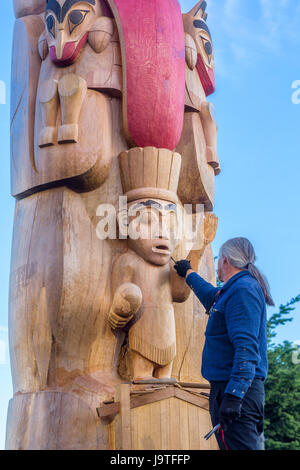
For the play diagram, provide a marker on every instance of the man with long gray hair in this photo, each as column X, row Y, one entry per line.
column 235, row 351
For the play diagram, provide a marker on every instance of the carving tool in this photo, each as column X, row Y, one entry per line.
column 212, row 432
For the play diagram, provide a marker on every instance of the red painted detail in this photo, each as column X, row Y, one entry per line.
column 153, row 50
column 207, row 77
column 70, row 52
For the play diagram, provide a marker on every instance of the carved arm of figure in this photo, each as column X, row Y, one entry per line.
column 126, row 302
column 180, row 290
column 209, row 233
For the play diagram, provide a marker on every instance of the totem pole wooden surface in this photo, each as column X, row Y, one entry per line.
column 109, row 100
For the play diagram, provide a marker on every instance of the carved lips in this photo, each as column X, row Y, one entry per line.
column 162, row 249
column 70, row 52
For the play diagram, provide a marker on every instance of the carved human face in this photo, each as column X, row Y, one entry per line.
column 155, row 223
column 67, row 26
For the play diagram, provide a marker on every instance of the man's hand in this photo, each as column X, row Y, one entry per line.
column 230, row 410
column 182, row 267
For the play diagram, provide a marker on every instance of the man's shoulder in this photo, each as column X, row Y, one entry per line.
column 247, row 285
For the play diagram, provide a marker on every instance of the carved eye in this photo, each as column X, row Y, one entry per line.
column 208, row 48
column 75, row 18
column 51, row 25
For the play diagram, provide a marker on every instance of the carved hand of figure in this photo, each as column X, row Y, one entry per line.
column 208, row 234
column 210, row 227
column 127, row 301
column 101, row 34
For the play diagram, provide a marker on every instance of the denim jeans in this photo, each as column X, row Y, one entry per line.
column 246, row 432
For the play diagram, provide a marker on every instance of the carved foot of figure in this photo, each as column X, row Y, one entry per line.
column 67, row 134
column 140, row 367
column 47, row 137
column 72, row 91
column 164, row 372
column 48, row 97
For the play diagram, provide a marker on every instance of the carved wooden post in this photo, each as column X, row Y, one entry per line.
column 97, row 83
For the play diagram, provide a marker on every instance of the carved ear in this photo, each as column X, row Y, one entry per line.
column 198, row 11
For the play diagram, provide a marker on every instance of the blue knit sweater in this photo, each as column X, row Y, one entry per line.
column 235, row 348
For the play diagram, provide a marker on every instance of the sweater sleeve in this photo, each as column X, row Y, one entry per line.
column 205, row 291
column 243, row 313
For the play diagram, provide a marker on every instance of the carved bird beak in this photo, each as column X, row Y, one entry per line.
column 60, row 43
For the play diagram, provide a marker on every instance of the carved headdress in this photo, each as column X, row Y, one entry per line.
column 150, row 173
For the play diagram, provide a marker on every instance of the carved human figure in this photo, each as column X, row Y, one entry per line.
column 144, row 281
column 142, row 277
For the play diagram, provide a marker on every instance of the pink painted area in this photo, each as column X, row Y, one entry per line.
column 207, row 77
column 70, row 52
column 155, row 70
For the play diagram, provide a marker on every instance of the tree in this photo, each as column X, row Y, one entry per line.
column 282, row 409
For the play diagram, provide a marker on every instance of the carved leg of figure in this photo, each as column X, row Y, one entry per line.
column 72, row 90
column 164, row 372
column 48, row 97
column 140, row 367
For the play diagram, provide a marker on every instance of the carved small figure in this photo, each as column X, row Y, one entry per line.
column 142, row 277
column 145, row 284
column 69, row 26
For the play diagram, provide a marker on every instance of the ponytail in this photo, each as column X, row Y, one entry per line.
column 240, row 253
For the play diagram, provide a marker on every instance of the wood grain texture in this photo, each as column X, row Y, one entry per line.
column 152, row 44
column 32, row 423
column 26, row 65
column 197, row 178
column 29, row 7
column 123, row 419
column 170, row 418
column 170, row 424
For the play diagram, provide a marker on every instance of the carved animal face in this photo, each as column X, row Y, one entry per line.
column 195, row 25
column 67, row 26
column 155, row 222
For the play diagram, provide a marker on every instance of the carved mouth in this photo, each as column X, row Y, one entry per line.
column 162, row 249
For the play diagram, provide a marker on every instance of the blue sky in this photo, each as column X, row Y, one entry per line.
column 257, row 45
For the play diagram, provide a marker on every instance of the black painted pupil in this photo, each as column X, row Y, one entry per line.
column 50, row 23
column 208, row 48
column 76, row 17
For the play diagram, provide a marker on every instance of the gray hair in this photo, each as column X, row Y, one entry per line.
column 240, row 253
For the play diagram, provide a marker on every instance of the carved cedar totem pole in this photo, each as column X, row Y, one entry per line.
column 109, row 99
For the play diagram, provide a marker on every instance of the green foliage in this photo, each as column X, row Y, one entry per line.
column 282, row 409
